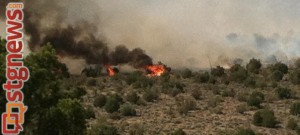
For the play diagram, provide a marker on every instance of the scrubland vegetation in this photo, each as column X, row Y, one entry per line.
column 244, row 100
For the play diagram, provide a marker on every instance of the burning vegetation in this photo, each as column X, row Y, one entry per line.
column 157, row 69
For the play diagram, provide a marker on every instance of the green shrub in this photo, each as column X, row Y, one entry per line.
column 185, row 104
column 173, row 88
column 255, row 99
column 77, row 92
column 292, row 124
column 212, row 80
column 112, row 105
column 245, row 131
column 132, row 97
column 238, row 73
column 264, row 118
column 283, row 93
column 218, row 71
column 295, row 76
column 127, row 110
column 202, row 77
column 92, row 82
column 133, row 77
column 178, row 132
column 114, row 116
column 241, row 109
column 228, row 93
column 90, row 113
column 280, row 67
column 150, row 95
column 250, row 82
column 254, row 66
column 277, row 75
column 100, row 100
column 106, row 130
column 136, row 129
column 196, row 94
column 117, row 97
column 295, row 108
column 213, row 102
column 187, row 73
column 298, row 130
column 297, row 63
column 242, row 96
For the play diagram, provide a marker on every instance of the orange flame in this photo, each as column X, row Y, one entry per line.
column 156, row 70
column 110, row 70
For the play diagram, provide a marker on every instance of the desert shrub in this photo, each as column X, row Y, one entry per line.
column 280, row 67
column 178, row 132
column 292, row 124
column 187, row 73
column 202, row 77
column 295, row 108
column 132, row 97
column 92, row 82
column 143, row 82
column 298, row 130
column 225, row 80
column 254, row 66
column 100, row 100
column 118, row 77
column 114, row 116
column 133, row 77
column 295, row 76
column 173, row 88
column 297, row 63
column 90, row 113
column 216, row 110
column 218, row 71
column 165, row 77
column 213, row 102
column 241, row 109
column 185, row 104
column 264, row 118
column 136, row 129
column 67, row 117
column 77, row 92
column 105, row 129
column 242, row 96
column 245, row 131
column 127, row 110
column 117, row 97
column 283, row 93
column 250, row 82
column 228, row 93
column 277, row 75
column 260, row 83
column 238, row 73
column 196, row 94
column 112, row 105
column 212, row 80
column 255, row 99
column 150, row 95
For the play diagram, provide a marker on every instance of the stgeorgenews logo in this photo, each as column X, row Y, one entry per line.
column 16, row 73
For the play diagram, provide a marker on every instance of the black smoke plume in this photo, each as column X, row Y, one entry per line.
column 45, row 22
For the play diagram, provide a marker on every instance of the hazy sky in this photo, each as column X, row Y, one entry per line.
column 187, row 32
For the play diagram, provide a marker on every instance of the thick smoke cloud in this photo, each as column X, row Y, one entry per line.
column 77, row 40
column 189, row 33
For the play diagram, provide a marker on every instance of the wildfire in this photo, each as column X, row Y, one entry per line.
column 156, row 70
column 110, row 70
